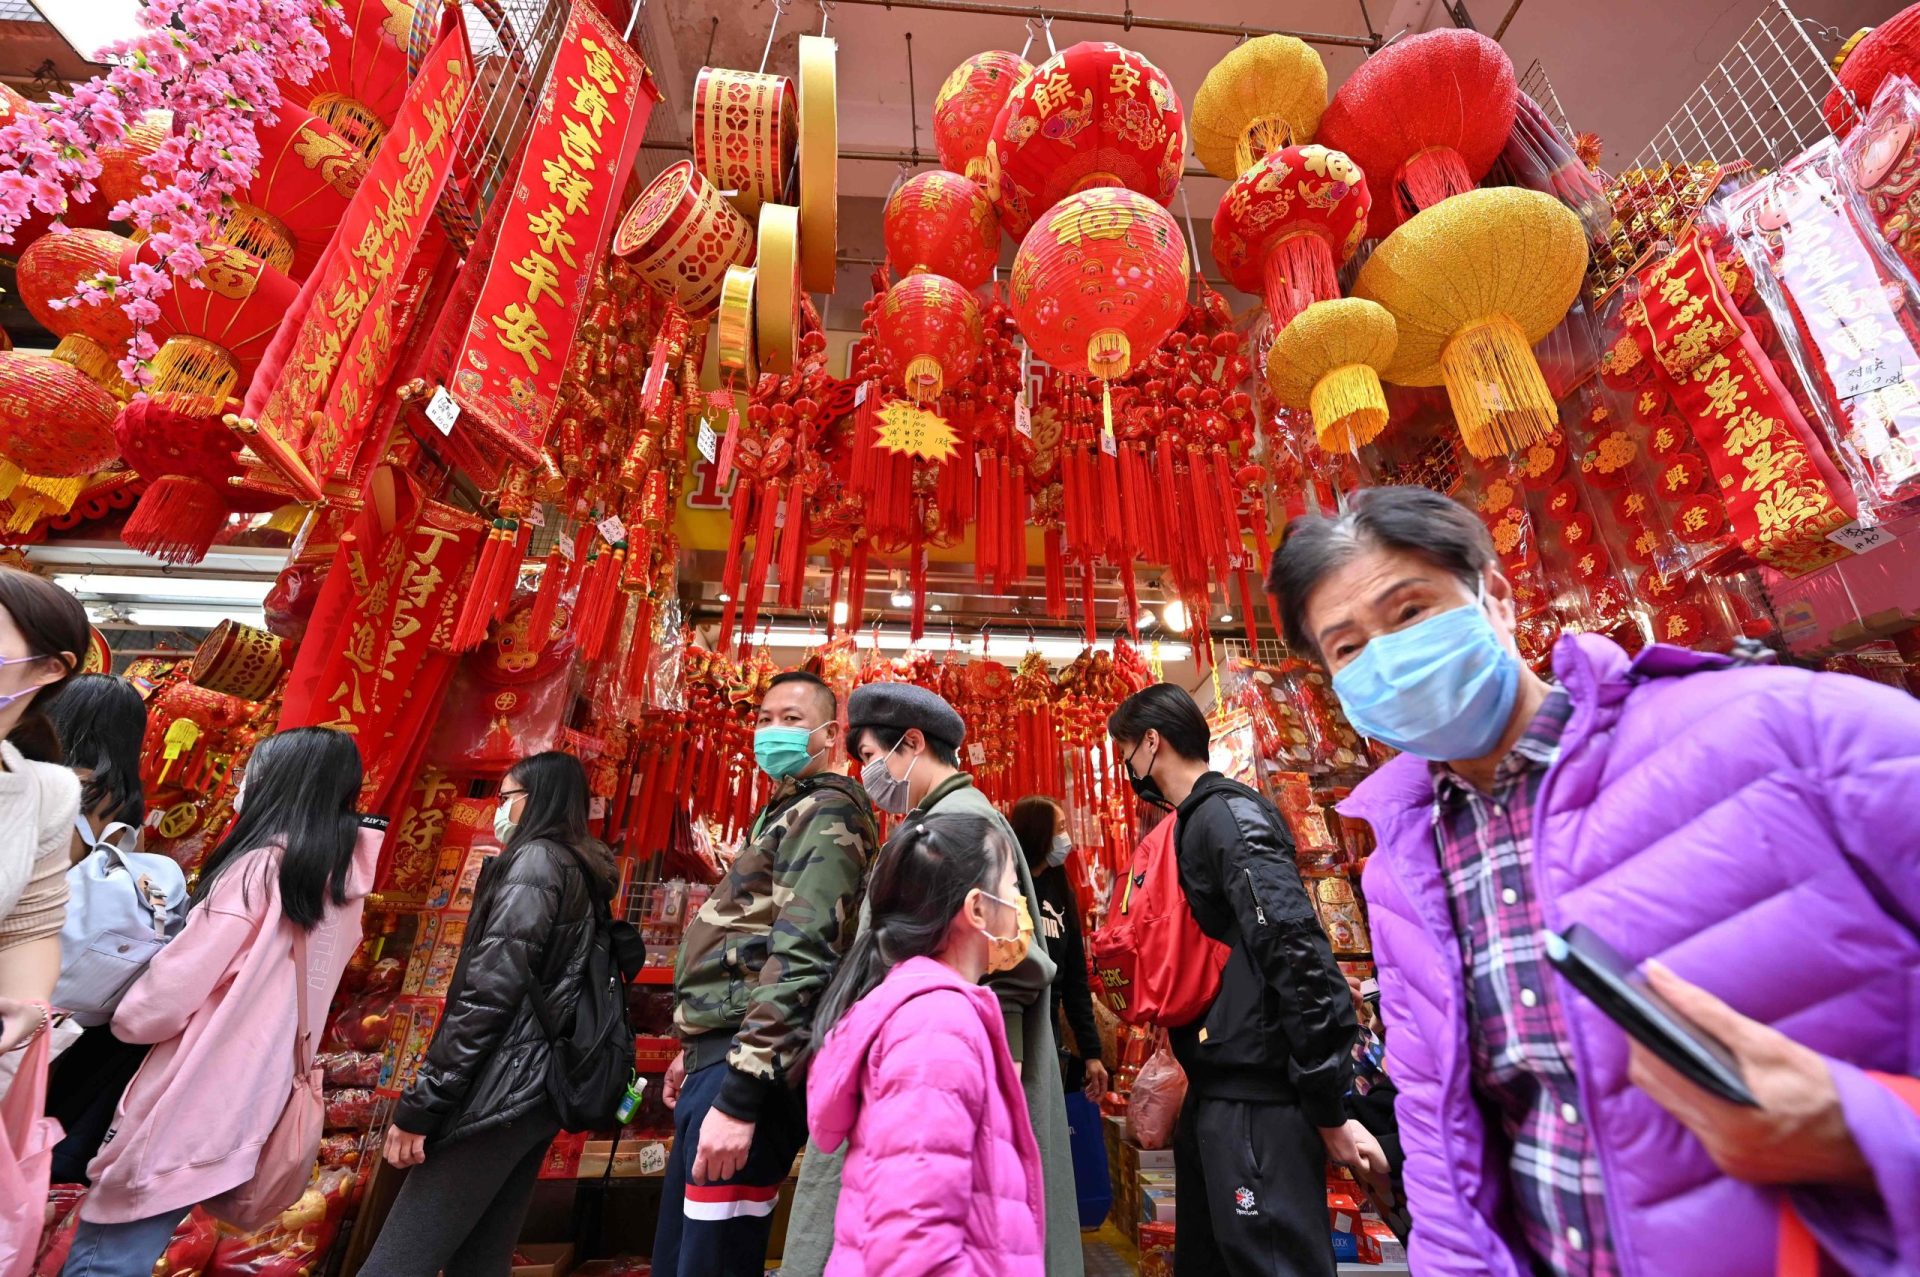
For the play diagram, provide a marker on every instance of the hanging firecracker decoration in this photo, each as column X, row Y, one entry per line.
column 1329, row 359
column 942, row 223
column 1093, row 115
column 929, row 329
column 1472, row 283
column 967, row 105
column 1287, row 225
column 1425, row 117
column 1268, row 92
column 1099, row 282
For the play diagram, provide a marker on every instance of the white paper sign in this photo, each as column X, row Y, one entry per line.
column 1108, row 444
column 566, row 546
column 596, row 808
column 442, row 411
column 653, row 1159
column 1022, row 418
column 537, row 515
column 708, row 442
column 612, row 529
column 1859, row 539
column 860, row 394
column 976, row 753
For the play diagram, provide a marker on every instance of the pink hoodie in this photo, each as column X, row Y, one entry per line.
column 942, row 1175
column 218, row 1005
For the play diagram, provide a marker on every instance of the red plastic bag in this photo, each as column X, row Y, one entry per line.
column 1151, row 962
column 1153, row 1106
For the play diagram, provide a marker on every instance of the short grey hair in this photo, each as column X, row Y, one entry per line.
column 1418, row 521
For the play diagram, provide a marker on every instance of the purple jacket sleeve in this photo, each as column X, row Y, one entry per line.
column 920, row 1125
column 1867, row 768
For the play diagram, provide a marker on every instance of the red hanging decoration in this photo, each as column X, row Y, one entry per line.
column 928, row 329
column 944, row 224
column 968, row 104
column 1287, row 225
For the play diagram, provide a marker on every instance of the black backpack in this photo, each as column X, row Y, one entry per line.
column 590, row 1066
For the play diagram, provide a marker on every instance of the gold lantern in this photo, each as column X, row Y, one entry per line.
column 1329, row 359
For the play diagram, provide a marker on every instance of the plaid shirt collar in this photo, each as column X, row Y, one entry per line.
column 1536, row 750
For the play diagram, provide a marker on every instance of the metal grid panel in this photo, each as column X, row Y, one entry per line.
column 1537, row 86
column 513, row 45
column 1755, row 110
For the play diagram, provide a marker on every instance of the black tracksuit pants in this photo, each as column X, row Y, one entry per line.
column 1250, row 1192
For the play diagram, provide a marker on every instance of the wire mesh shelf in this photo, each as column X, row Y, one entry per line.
column 1535, row 84
column 1761, row 105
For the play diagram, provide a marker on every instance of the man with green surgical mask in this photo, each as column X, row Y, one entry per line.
column 752, row 966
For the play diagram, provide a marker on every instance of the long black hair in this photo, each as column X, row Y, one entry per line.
column 1033, row 819
column 101, row 721
column 54, row 624
column 301, row 791
column 920, row 881
column 555, row 807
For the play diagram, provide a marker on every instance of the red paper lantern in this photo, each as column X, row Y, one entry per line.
column 1287, row 224
column 54, row 419
column 1092, row 115
column 93, row 213
column 942, row 223
column 359, row 88
column 929, row 329
column 308, row 174
column 1873, row 54
column 123, row 167
column 186, row 458
column 1100, row 281
column 52, row 268
column 1425, row 118
column 217, row 333
column 967, row 105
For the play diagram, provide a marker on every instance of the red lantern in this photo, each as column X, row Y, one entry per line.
column 52, row 268
column 1100, row 281
column 308, row 173
column 1873, row 54
column 54, row 419
column 1288, row 223
column 217, row 333
column 123, row 167
column 929, row 329
column 186, row 459
column 359, row 87
column 942, row 223
column 1092, row 115
column 1426, row 117
column 93, row 213
column 968, row 104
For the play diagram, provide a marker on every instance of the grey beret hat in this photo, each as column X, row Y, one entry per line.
column 904, row 705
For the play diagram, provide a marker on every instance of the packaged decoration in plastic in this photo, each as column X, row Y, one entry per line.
column 1538, row 158
column 1883, row 158
column 1847, row 306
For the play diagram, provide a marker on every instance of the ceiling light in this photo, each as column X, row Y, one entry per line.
column 1146, row 619
column 1174, row 616
column 1226, row 618
column 168, row 588
column 935, row 607
column 902, row 598
column 840, row 612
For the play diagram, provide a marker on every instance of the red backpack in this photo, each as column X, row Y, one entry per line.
column 1151, row 962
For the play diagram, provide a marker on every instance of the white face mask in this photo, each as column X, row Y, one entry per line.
column 503, row 822
column 1062, row 848
column 889, row 792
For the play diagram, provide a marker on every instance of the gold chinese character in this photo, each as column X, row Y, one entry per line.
column 1123, row 79
column 591, row 102
column 549, row 228
column 1050, row 93
column 541, row 276
column 574, row 189
column 522, row 333
column 578, row 144
column 602, row 66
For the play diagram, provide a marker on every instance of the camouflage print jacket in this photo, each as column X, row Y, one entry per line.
column 760, row 952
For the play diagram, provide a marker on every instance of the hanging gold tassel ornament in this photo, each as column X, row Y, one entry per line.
column 1499, row 396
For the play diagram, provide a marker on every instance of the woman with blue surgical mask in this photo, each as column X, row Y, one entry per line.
column 1040, row 824
column 1747, row 826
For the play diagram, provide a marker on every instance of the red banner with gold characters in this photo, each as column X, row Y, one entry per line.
column 325, row 386
column 1781, row 497
column 574, row 165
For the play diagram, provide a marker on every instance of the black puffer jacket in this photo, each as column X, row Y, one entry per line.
column 1281, row 1028
column 487, row 1065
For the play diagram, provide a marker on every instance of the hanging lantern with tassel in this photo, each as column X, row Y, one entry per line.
column 1099, row 282
column 362, row 80
column 55, row 422
column 1425, row 118
column 942, row 223
column 929, row 329
column 1472, row 283
column 93, row 335
column 967, row 105
column 1267, row 93
column 187, row 463
column 1287, row 225
column 1092, row 115
column 1329, row 359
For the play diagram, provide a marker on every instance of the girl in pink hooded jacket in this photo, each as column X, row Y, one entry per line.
column 913, row 1074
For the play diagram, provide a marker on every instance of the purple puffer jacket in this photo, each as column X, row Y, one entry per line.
column 1757, row 830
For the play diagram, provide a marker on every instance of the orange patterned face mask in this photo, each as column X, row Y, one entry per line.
column 1004, row 953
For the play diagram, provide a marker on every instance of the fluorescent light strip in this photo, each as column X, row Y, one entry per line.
column 180, row 618
column 1000, row 646
column 159, row 589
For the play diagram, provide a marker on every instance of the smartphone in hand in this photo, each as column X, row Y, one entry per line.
column 1598, row 971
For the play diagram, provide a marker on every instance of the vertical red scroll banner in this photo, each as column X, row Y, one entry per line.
column 318, row 387
column 573, row 168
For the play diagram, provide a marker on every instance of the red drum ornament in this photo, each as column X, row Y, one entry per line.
column 942, row 223
column 54, row 419
column 967, row 105
column 1092, row 115
column 928, row 326
column 1100, row 281
column 745, row 128
column 1287, row 225
column 681, row 235
column 1425, row 118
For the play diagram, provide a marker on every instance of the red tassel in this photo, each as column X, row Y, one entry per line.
column 1056, row 575
column 546, row 601
column 178, row 519
column 743, row 498
column 1266, row 560
column 919, row 576
column 1132, row 593
column 1087, row 602
column 1246, row 610
column 756, row 582
column 1299, row 272
column 471, row 626
column 1432, row 175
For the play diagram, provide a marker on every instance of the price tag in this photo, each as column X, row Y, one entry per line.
column 976, row 753
column 1022, row 418
column 860, row 394
column 596, row 808
column 442, row 411
column 653, row 1159
column 566, row 546
column 707, row 442
column 537, row 515
column 1108, row 444
column 633, row 786
column 1863, row 379
column 1860, row 540
column 612, row 529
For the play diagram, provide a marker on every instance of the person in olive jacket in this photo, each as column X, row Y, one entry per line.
column 476, row 1122
column 1267, row 1064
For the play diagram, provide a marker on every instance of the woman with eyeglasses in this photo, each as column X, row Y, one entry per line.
column 476, row 1121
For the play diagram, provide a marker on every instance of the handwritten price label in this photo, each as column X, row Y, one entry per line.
column 612, row 529
column 1860, row 540
column 1022, row 418
column 708, row 443
column 442, row 411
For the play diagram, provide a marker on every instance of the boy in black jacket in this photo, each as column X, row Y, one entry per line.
column 1268, row 1062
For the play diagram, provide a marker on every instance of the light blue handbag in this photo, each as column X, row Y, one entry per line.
column 122, row 908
